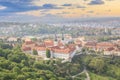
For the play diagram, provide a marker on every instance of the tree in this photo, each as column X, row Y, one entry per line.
column 83, row 50
column 53, row 78
column 7, row 76
column 17, row 56
column 35, row 52
column 48, row 54
column 4, row 63
column 25, row 62
column 21, row 77
column 41, row 78
column 17, row 48
column 34, row 39
column 17, row 70
column 5, row 46
column 97, row 64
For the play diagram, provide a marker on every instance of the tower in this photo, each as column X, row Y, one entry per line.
column 55, row 42
column 62, row 32
column 55, row 37
column 62, row 36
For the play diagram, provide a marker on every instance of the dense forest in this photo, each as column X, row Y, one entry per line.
column 16, row 65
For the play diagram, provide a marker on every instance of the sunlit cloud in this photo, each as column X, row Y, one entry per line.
column 65, row 8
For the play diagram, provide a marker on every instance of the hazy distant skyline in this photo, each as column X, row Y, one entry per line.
column 63, row 8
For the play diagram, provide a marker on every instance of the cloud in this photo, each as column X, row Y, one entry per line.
column 90, row 11
column 2, row 7
column 96, row 2
column 50, row 6
column 17, row 6
column 67, row 5
column 108, row 10
column 80, row 6
column 72, row 6
column 64, row 12
column 109, row 0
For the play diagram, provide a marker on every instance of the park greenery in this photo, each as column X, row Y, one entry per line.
column 16, row 65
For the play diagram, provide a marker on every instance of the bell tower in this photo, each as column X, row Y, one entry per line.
column 55, row 37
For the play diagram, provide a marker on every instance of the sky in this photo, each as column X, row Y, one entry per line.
column 61, row 8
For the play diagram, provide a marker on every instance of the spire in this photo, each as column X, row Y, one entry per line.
column 62, row 36
column 62, row 32
column 55, row 37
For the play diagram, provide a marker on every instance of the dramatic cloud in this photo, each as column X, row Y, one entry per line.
column 65, row 8
column 96, row 2
column 17, row 6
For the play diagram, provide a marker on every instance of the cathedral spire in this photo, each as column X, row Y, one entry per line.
column 62, row 36
column 55, row 37
column 62, row 32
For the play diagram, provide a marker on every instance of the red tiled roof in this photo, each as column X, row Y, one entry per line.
column 49, row 43
column 41, row 47
column 65, row 49
column 105, row 45
column 61, row 50
column 109, row 49
column 60, row 43
column 29, row 42
column 78, row 42
column 90, row 44
column 118, row 49
column 26, row 48
column 79, row 45
column 71, row 46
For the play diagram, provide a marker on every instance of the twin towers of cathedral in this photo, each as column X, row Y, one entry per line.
column 62, row 35
column 56, row 37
